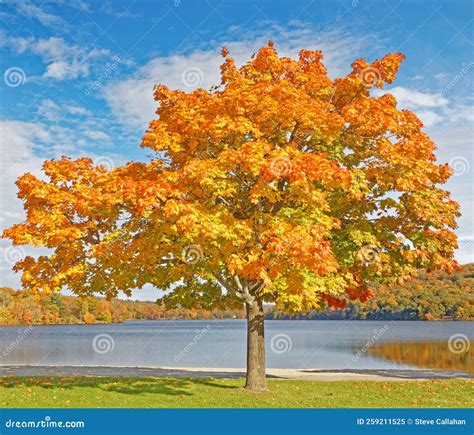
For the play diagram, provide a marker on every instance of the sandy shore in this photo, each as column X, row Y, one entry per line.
column 207, row 372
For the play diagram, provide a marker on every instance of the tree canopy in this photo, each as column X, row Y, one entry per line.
column 279, row 183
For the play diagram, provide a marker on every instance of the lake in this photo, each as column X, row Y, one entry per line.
column 222, row 343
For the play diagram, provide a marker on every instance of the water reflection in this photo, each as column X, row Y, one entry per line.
column 313, row 344
column 426, row 354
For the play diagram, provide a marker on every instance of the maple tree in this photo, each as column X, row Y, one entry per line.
column 279, row 185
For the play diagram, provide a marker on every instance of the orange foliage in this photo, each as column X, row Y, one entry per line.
column 89, row 318
column 276, row 178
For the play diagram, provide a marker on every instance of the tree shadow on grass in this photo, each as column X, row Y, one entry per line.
column 123, row 385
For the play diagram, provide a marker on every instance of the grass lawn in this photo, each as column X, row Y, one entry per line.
column 113, row 392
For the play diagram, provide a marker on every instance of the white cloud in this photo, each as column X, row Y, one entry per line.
column 29, row 10
column 461, row 112
column 76, row 110
column 62, row 70
column 17, row 144
column 49, row 110
column 428, row 117
column 465, row 253
column 413, row 99
column 109, row 9
column 432, row 107
column 47, row 13
column 63, row 61
column 131, row 100
column 146, row 293
column 54, row 112
column 70, row 127
column 441, row 76
column 97, row 135
column 454, row 142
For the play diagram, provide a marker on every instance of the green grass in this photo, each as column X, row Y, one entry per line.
column 113, row 392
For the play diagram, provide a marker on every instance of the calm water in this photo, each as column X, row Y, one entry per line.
column 222, row 343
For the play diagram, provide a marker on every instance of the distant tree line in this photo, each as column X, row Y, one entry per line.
column 430, row 296
column 22, row 307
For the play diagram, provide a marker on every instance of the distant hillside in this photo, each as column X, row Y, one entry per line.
column 428, row 297
column 22, row 307
column 431, row 296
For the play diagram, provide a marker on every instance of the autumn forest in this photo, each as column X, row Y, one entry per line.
column 433, row 296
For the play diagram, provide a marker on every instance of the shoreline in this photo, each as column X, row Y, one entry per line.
column 316, row 374
column 35, row 325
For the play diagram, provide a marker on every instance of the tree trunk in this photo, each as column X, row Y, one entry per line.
column 256, row 379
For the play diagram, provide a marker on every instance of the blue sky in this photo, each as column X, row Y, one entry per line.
column 78, row 75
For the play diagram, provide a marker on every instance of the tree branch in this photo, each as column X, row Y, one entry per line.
column 244, row 292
